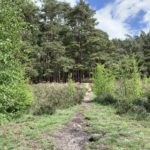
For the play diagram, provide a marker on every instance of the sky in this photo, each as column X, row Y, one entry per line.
column 120, row 17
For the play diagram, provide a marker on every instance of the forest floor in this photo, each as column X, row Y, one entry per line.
column 89, row 126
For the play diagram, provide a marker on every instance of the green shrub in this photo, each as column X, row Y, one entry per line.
column 49, row 97
column 123, row 106
column 14, row 98
column 130, row 79
column 106, row 99
column 129, row 95
column 144, row 102
column 15, row 93
column 71, row 85
column 138, row 112
column 139, row 107
column 103, row 81
column 130, row 85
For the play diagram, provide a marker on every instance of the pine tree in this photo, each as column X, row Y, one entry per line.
column 86, row 43
column 53, row 59
column 146, row 51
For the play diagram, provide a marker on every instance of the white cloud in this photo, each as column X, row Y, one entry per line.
column 113, row 17
column 114, row 27
column 72, row 2
column 147, row 21
column 37, row 2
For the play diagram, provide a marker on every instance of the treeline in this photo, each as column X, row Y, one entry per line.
column 62, row 40
column 139, row 46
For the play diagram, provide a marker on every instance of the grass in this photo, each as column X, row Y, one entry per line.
column 113, row 132
column 33, row 132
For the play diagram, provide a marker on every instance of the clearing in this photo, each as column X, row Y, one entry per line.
column 89, row 126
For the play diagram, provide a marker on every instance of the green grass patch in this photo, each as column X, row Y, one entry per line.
column 33, row 132
column 111, row 131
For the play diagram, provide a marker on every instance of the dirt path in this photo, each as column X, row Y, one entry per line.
column 73, row 136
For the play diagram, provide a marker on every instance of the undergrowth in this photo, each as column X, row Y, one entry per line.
column 49, row 97
column 129, row 95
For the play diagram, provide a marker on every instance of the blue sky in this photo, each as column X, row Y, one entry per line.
column 97, row 4
column 120, row 17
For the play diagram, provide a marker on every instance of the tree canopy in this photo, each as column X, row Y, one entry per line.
column 61, row 40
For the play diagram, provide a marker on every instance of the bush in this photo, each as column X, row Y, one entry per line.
column 130, row 79
column 139, row 107
column 130, row 87
column 49, row 97
column 140, row 111
column 123, row 106
column 14, row 98
column 103, row 81
column 15, row 94
column 129, row 96
column 144, row 102
column 106, row 99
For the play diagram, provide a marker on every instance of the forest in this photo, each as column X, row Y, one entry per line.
column 61, row 40
column 62, row 79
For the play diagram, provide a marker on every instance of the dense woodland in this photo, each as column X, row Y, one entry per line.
column 61, row 40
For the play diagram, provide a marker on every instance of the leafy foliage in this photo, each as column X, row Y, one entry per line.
column 15, row 95
column 129, row 94
column 103, row 81
column 130, row 78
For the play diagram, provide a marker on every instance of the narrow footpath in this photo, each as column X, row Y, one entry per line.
column 73, row 136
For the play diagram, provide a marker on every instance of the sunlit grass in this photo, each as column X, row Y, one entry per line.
column 116, row 132
column 31, row 132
